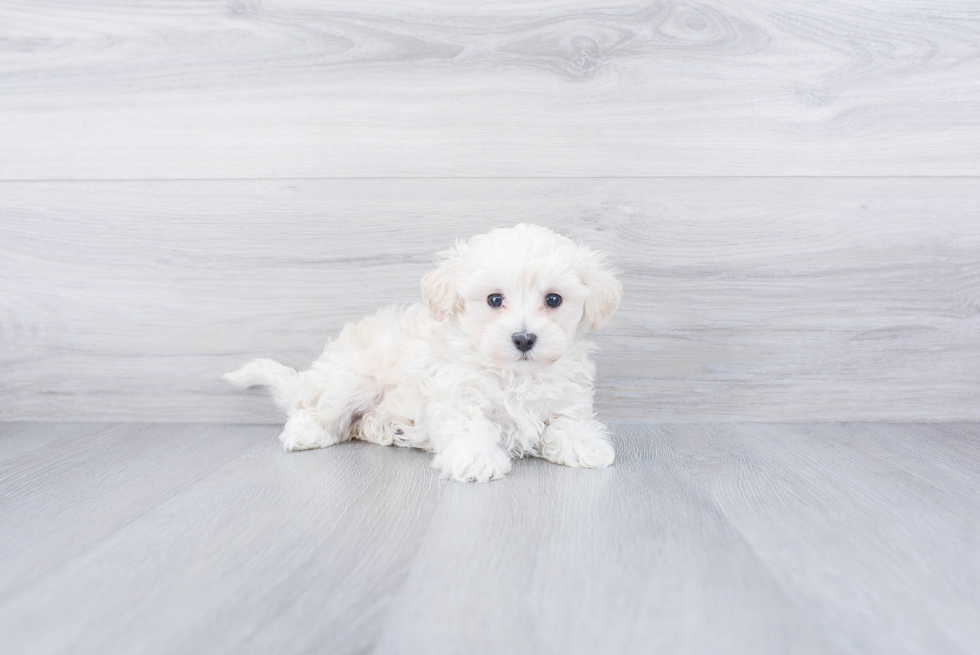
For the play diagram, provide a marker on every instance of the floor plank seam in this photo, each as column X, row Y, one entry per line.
column 154, row 507
column 443, row 484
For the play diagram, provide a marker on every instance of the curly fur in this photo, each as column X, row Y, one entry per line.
column 446, row 376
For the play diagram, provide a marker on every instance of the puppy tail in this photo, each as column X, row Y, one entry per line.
column 284, row 383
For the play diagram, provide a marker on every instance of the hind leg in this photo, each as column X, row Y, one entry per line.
column 304, row 431
column 337, row 393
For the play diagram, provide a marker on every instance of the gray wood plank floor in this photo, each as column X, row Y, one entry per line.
column 703, row 538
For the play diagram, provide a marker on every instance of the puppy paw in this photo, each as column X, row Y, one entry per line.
column 471, row 465
column 583, row 445
column 303, row 432
column 593, row 454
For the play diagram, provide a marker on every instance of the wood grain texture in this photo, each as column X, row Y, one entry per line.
column 630, row 559
column 239, row 88
column 16, row 439
column 709, row 539
column 746, row 298
column 268, row 554
column 701, row 538
column 60, row 498
column 905, row 524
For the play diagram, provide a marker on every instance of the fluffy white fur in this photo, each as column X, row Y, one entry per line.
column 448, row 377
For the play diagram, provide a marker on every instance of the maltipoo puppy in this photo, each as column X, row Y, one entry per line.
column 492, row 367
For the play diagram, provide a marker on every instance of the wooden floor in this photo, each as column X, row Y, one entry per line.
column 790, row 189
column 711, row 538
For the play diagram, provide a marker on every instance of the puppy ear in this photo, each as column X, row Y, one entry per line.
column 439, row 286
column 605, row 291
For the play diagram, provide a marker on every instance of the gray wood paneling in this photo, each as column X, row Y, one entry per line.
column 205, row 89
column 746, row 298
column 700, row 539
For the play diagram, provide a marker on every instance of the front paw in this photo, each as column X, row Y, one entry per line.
column 583, row 445
column 594, row 454
column 467, row 464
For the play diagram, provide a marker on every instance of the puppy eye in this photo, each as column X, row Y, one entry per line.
column 552, row 300
column 495, row 300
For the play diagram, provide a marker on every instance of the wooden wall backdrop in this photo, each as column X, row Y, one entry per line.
column 792, row 191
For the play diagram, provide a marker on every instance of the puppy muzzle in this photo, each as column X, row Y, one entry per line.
column 524, row 341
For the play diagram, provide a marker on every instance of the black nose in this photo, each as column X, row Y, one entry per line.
column 524, row 340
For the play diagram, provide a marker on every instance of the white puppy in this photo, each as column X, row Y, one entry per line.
column 493, row 366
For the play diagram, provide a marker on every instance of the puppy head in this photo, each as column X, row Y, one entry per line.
column 522, row 294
